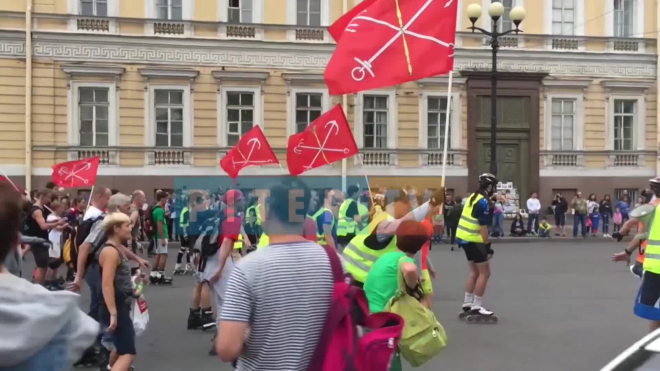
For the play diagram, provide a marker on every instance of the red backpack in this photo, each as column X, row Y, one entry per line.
column 352, row 339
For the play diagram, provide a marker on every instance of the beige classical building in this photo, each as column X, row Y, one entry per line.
column 161, row 88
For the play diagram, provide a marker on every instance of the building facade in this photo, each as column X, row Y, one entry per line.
column 161, row 88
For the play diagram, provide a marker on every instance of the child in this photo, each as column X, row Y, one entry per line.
column 617, row 218
column 52, row 281
column 595, row 221
column 545, row 228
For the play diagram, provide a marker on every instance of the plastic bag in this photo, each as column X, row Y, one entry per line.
column 140, row 315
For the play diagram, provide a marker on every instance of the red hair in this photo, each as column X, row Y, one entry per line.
column 411, row 236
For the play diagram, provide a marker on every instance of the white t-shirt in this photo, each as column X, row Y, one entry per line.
column 55, row 238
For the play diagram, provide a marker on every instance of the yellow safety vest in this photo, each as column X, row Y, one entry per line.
column 321, row 237
column 468, row 227
column 359, row 258
column 257, row 213
column 652, row 259
column 364, row 213
column 346, row 225
column 239, row 243
column 263, row 241
column 183, row 213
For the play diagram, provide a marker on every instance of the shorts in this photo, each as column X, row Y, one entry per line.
column 185, row 242
column 560, row 219
column 345, row 240
column 41, row 256
column 123, row 337
column 650, row 288
column 161, row 248
column 427, row 285
column 476, row 252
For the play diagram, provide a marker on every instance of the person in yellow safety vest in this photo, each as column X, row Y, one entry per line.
column 184, row 223
column 363, row 211
column 349, row 216
column 472, row 236
column 650, row 291
column 379, row 237
column 253, row 221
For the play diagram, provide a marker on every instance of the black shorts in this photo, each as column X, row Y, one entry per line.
column 345, row 240
column 650, row 288
column 185, row 241
column 476, row 252
column 123, row 337
column 54, row 263
column 40, row 256
column 560, row 219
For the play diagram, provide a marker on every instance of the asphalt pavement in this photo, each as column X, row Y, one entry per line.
column 562, row 306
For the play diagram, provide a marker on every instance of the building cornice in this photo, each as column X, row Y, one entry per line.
column 303, row 77
column 442, row 80
column 627, row 84
column 565, row 83
column 168, row 73
column 69, row 47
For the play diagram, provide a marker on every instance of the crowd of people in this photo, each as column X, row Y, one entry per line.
column 247, row 249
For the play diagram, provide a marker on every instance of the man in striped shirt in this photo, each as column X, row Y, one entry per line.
column 280, row 294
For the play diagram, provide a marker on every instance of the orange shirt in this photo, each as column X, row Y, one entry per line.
column 425, row 249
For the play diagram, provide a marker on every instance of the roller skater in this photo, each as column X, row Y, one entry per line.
column 184, row 222
column 472, row 235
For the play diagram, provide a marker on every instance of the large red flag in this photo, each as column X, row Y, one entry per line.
column 326, row 140
column 337, row 28
column 392, row 42
column 81, row 173
column 251, row 150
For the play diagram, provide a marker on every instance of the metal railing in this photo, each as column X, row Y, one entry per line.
column 169, row 28
column 169, row 157
column 246, row 32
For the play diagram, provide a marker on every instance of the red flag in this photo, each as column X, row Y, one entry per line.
column 326, row 140
column 81, row 173
column 337, row 28
column 251, row 150
column 392, row 42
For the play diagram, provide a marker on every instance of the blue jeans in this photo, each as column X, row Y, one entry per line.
column 581, row 219
column 498, row 224
column 93, row 279
column 606, row 224
column 52, row 357
column 533, row 223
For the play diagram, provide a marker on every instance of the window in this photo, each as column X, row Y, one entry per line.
column 630, row 192
column 375, row 121
column 93, row 105
column 624, row 122
column 240, row 115
column 436, row 118
column 98, row 8
column 239, row 11
column 308, row 108
column 563, row 124
column 169, row 118
column 308, row 12
column 505, row 23
column 623, row 17
column 563, row 17
column 169, row 9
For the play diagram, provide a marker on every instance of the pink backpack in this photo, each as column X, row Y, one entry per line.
column 352, row 339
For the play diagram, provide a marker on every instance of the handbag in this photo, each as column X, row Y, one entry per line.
column 423, row 336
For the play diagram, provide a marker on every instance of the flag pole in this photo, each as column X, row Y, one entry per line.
column 89, row 202
column 444, row 150
column 371, row 196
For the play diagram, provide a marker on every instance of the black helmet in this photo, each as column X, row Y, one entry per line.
column 487, row 179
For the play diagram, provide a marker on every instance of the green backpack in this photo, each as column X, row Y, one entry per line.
column 423, row 336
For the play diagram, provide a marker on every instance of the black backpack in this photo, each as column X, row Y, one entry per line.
column 210, row 231
column 81, row 233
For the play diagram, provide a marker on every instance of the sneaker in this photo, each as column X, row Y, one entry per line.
column 636, row 270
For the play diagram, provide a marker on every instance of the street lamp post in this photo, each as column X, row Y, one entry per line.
column 496, row 10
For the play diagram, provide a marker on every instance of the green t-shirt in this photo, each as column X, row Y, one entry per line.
column 158, row 215
column 382, row 281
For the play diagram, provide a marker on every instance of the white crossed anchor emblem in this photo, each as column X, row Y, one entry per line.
column 334, row 127
column 73, row 174
column 358, row 73
column 246, row 160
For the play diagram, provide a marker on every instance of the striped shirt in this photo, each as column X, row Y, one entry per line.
column 284, row 292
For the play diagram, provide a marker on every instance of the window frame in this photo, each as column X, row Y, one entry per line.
column 169, row 107
column 223, row 125
column 240, row 11
column 392, row 119
column 455, row 129
column 240, row 107
column 561, row 22
column 633, row 128
column 292, row 13
column 75, row 8
column 638, row 19
column 552, row 114
column 257, row 12
column 74, row 111
column 622, row 26
column 578, row 124
column 291, row 105
column 151, row 11
column 95, row 8
column 94, row 105
column 150, row 116
column 639, row 120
